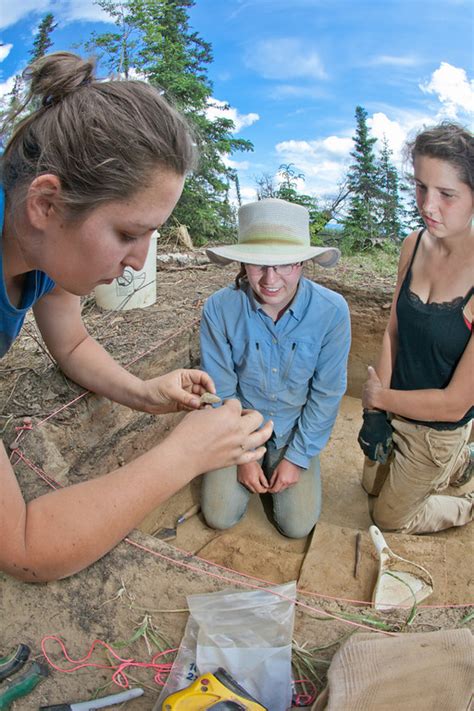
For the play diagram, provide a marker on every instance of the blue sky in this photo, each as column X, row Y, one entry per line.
column 293, row 71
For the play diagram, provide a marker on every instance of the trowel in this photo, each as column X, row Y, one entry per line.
column 399, row 581
column 167, row 534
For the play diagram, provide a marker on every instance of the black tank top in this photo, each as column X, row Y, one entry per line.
column 431, row 340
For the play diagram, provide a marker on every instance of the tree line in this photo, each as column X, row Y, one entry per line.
column 153, row 40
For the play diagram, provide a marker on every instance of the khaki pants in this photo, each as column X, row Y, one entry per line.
column 424, row 462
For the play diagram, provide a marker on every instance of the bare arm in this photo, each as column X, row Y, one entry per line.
column 447, row 405
column 63, row 531
column 82, row 359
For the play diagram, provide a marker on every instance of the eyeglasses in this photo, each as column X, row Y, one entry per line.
column 280, row 269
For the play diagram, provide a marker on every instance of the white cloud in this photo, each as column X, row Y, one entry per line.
column 285, row 58
column 408, row 60
column 382, row 127
column 5, row 51
column 14, row 11
column 453, row 89
column 292, row 91
column 236, row 164
column 334, row 145
column 337, row 145
column 86, row 10
column 6, row 86
column 248, row 194
column 65, row 11
column 323, row 162
column 218, row 109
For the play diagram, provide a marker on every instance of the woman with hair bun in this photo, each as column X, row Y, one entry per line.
column 85, row 180
column 425, row 373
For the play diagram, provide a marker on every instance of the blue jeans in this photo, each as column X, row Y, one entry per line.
column 224, row 500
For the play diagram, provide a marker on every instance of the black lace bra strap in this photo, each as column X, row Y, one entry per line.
column 418, row 240
column 407, row 279
column 468, row 296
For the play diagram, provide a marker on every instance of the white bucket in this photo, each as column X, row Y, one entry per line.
column 133, row 290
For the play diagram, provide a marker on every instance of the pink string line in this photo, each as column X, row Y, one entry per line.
column 55, row 485
column 310, row 593
column 119, row 676
column 292, row 600
column 303, row 698
column 188, row 326
column 34, row 467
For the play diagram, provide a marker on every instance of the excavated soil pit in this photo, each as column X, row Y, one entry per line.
column 94, row 436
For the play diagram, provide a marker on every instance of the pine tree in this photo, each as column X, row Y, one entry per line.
column 361, row 224
column 411, row 217
column 116, row 49
column 389, row 200
column 11, row 109
column 43, row 39
column 171, row 56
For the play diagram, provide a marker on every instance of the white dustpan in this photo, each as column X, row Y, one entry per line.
column 399, row 582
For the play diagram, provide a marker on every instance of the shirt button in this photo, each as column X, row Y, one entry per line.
column 274, row 397
column 274, row 370
column 274, row 340
column 272, row 414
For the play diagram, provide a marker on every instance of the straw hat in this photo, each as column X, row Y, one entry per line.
column 273, row 232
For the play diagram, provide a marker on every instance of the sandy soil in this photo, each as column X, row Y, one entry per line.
column 112, row 598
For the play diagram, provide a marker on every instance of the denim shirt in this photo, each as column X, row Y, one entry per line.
column 293, row 371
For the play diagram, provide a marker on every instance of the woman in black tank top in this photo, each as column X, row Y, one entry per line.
column 425, row 373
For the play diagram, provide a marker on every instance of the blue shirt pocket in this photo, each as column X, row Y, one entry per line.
column 249, row 363
column 298, row 363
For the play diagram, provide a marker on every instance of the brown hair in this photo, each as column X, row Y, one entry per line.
column 102, row 139
column 449, row 142
column 241, row 276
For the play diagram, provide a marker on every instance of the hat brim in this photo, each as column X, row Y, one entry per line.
column 264, row 254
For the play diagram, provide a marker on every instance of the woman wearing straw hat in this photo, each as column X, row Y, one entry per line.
column 279, row 343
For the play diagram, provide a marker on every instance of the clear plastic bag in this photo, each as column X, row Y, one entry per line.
column 248, row 634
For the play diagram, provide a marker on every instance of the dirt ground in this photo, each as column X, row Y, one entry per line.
column 110, row 600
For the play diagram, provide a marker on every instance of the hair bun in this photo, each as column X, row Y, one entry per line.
column 55, row 75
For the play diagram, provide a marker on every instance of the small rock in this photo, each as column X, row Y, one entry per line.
column 209, row 399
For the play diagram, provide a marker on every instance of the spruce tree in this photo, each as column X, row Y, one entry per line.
column 411, row 217
column 43, row 39
column 389, row 200
column 174, row 58
column 11, row 108
column 361, row 225
column 115, row 49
